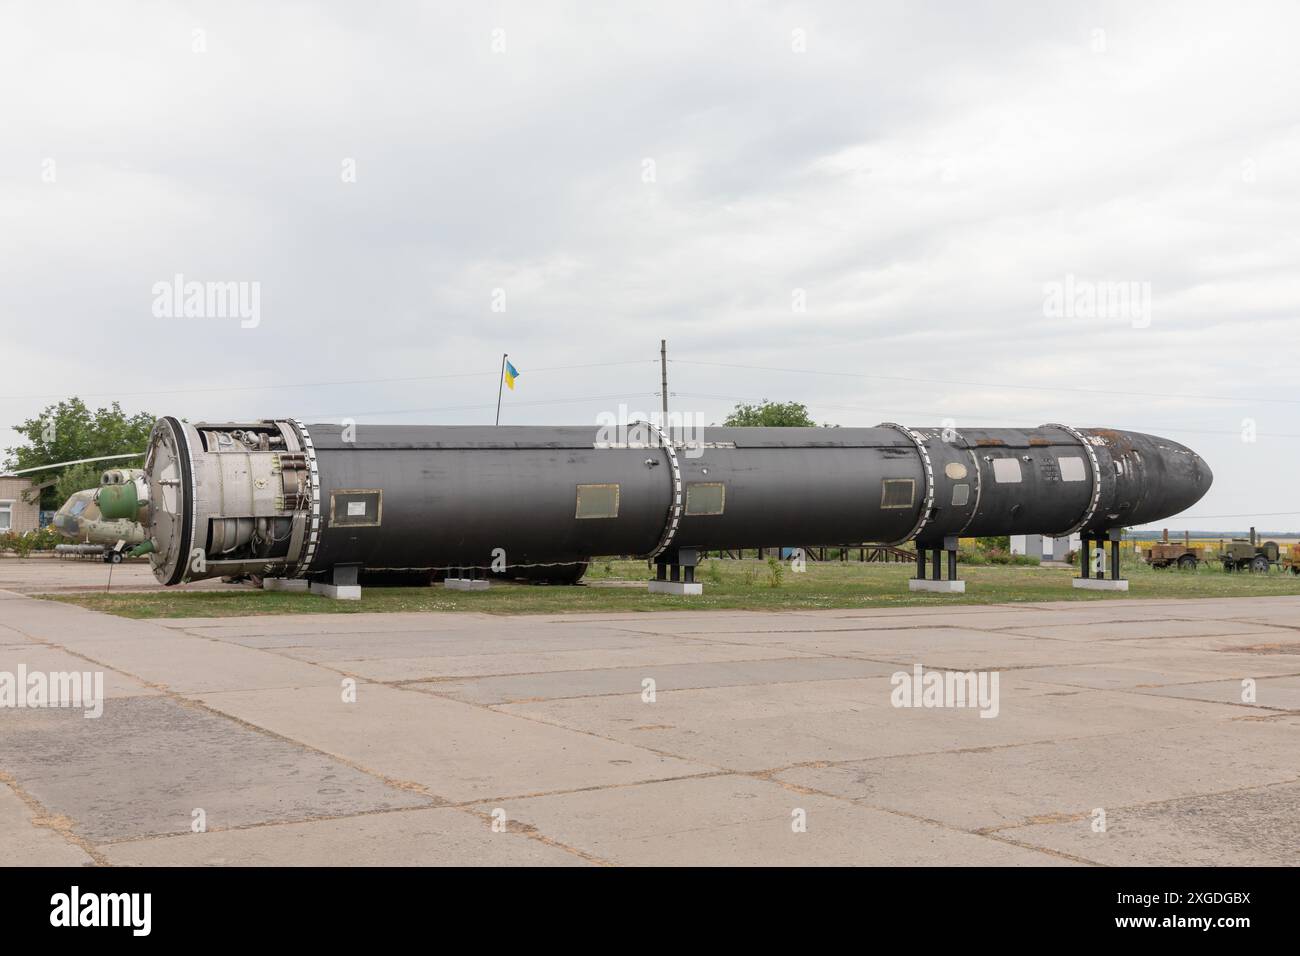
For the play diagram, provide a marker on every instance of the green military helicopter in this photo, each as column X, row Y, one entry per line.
column 107, row 517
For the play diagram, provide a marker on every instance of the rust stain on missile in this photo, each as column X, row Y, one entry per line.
column 1115, row 438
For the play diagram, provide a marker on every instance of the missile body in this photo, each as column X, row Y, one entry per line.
column 280, row 498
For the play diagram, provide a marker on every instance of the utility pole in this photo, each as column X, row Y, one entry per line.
column 663, row 375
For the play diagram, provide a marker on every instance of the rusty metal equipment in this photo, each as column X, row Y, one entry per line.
column 1165, row 554
column 1242, row 554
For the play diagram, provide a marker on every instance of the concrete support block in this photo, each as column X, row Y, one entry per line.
column 339, row 592
column 284, row 584
column 676, row 587
column 942, row 587
column 1102, row 584
column 466, row 584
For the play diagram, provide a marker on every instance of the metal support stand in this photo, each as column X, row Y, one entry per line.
column 343, row 584
column 466, row 579
column 1100, row 582
column 675, row 573
column 936, row 583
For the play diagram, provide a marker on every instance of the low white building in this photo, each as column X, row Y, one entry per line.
column 1044, row 547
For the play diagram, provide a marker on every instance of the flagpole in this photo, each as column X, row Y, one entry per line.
column 501, row 381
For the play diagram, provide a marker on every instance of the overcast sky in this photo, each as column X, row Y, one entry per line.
column 918, row 175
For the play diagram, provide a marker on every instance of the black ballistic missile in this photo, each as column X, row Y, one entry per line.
column 282, row 499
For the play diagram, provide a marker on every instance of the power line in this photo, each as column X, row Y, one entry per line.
column 1255, row 514
column 953, row 381
column 354, row 381
column 758, row 368
column 457, row 408
column 879, row 410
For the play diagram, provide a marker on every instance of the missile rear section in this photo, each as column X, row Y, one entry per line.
column 280, row 499
column 230, row 499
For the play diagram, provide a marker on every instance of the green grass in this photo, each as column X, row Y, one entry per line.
column 727, row 584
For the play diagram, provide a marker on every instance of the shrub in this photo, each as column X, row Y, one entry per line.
column 24, row 544
column 775, row 571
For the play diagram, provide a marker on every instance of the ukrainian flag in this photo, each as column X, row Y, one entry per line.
column 512, row 373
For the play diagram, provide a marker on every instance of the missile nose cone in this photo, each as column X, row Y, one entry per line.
column 1185, row 477
column 1154, row 478
column 1207, row 476
column 1197, row 477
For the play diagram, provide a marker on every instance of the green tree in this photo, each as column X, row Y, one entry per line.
column 68, row 431
column 771, row 415
column 80, row 477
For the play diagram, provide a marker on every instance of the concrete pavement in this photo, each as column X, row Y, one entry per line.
column 45, row 573
column 1123, row 734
